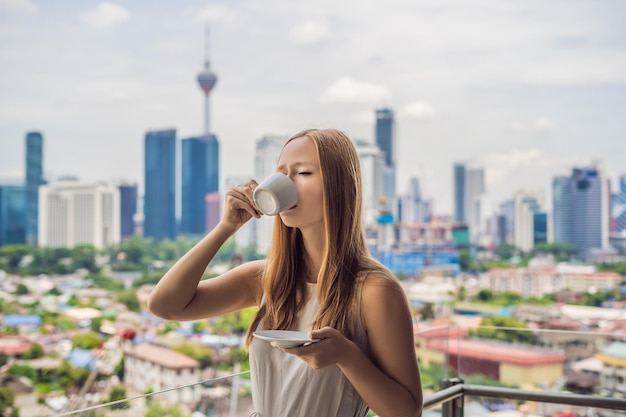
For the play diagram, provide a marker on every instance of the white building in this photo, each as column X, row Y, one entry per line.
column 151, row 367
column 372, row 162
column 75, row 213
column 476, row 205
column 265, row 161
column 526, row 204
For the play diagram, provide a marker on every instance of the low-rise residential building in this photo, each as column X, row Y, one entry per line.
column 149, row 367
column 540, row 279
column 523, row 366
column 613, row 378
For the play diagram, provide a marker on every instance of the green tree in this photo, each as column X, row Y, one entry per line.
column 35, row 352
column 428, row 311
column 7, row 403
column 505, row 251
column 84, row 257
column 561, row 251
column 484, row 295
column 129, row 299
column 87, row 341
column 13, row 255
column 504, row 329
column 23, row 370
column 21, row 289
column 118, row 393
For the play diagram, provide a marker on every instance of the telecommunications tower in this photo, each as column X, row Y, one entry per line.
column 206, row 80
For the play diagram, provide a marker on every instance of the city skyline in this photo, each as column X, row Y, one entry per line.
column 529, row 90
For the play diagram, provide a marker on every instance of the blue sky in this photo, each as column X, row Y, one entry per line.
column 527, row 88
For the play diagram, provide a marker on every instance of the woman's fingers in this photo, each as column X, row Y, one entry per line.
column 240, row 197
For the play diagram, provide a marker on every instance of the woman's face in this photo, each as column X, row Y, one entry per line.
column 299, row 161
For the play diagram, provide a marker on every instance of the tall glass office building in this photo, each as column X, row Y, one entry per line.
column 34, row 178
column 200, row 176
column 160, row 184
column 128, row 209
column 459, row 192
column 12, row 214
column 580, row 209
column 385, row 140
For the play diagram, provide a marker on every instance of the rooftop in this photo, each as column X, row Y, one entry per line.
column 498, row 352
column 164, row 357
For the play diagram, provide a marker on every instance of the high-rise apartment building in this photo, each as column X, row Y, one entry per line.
column 528, row 208
column 414, row 206
column 34, row 178
column 200, row 177
column 580, row 209
column 469, row 202
column 266, row 157
column 459, row 193
column 620, row 216
column 385, row 126
column 12, row 214
column 372, row 162
column 160, row 184
column 128, row 209
column 73, row 213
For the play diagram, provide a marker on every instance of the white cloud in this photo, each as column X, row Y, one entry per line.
column 214, row 13
column 500, row 165
column 18, row 5
column 310, row 33
column 541, row 125
column 105, row 16
column 419, row 110
column 348, row 90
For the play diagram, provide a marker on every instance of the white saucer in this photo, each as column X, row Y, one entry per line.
column 285, row 338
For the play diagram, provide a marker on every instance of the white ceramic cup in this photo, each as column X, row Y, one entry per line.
column 275, row 194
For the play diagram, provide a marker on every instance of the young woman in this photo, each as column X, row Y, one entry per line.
column 318, row 277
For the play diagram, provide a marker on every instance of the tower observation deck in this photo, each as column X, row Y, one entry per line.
column 206, row 80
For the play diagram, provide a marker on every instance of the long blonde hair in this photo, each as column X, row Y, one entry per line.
column 346, row 256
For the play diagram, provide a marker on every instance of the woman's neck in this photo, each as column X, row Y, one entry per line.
column 313, row 254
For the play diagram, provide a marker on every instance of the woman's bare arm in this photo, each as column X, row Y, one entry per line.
column 180, row 295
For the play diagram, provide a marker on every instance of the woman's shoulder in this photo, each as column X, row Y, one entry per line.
column 380, row 280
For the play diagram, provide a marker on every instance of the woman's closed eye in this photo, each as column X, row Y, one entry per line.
column 304, row 173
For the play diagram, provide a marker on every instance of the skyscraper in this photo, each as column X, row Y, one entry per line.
column 527, row 207
column 160, row 184
column 385, row 140
column 34, row 178
column 580, row 209
column 469, row 202
column 621, row 204
column 74, row 213
column 459, row 192
column 200, row 176
column 207, row 79
column 128, row 209
column 12, row 214
column 372, row 163
column 415, row 207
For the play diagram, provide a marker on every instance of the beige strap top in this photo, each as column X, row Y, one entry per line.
column 283, row 385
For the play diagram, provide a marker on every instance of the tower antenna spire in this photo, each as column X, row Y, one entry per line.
column 206, row 79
